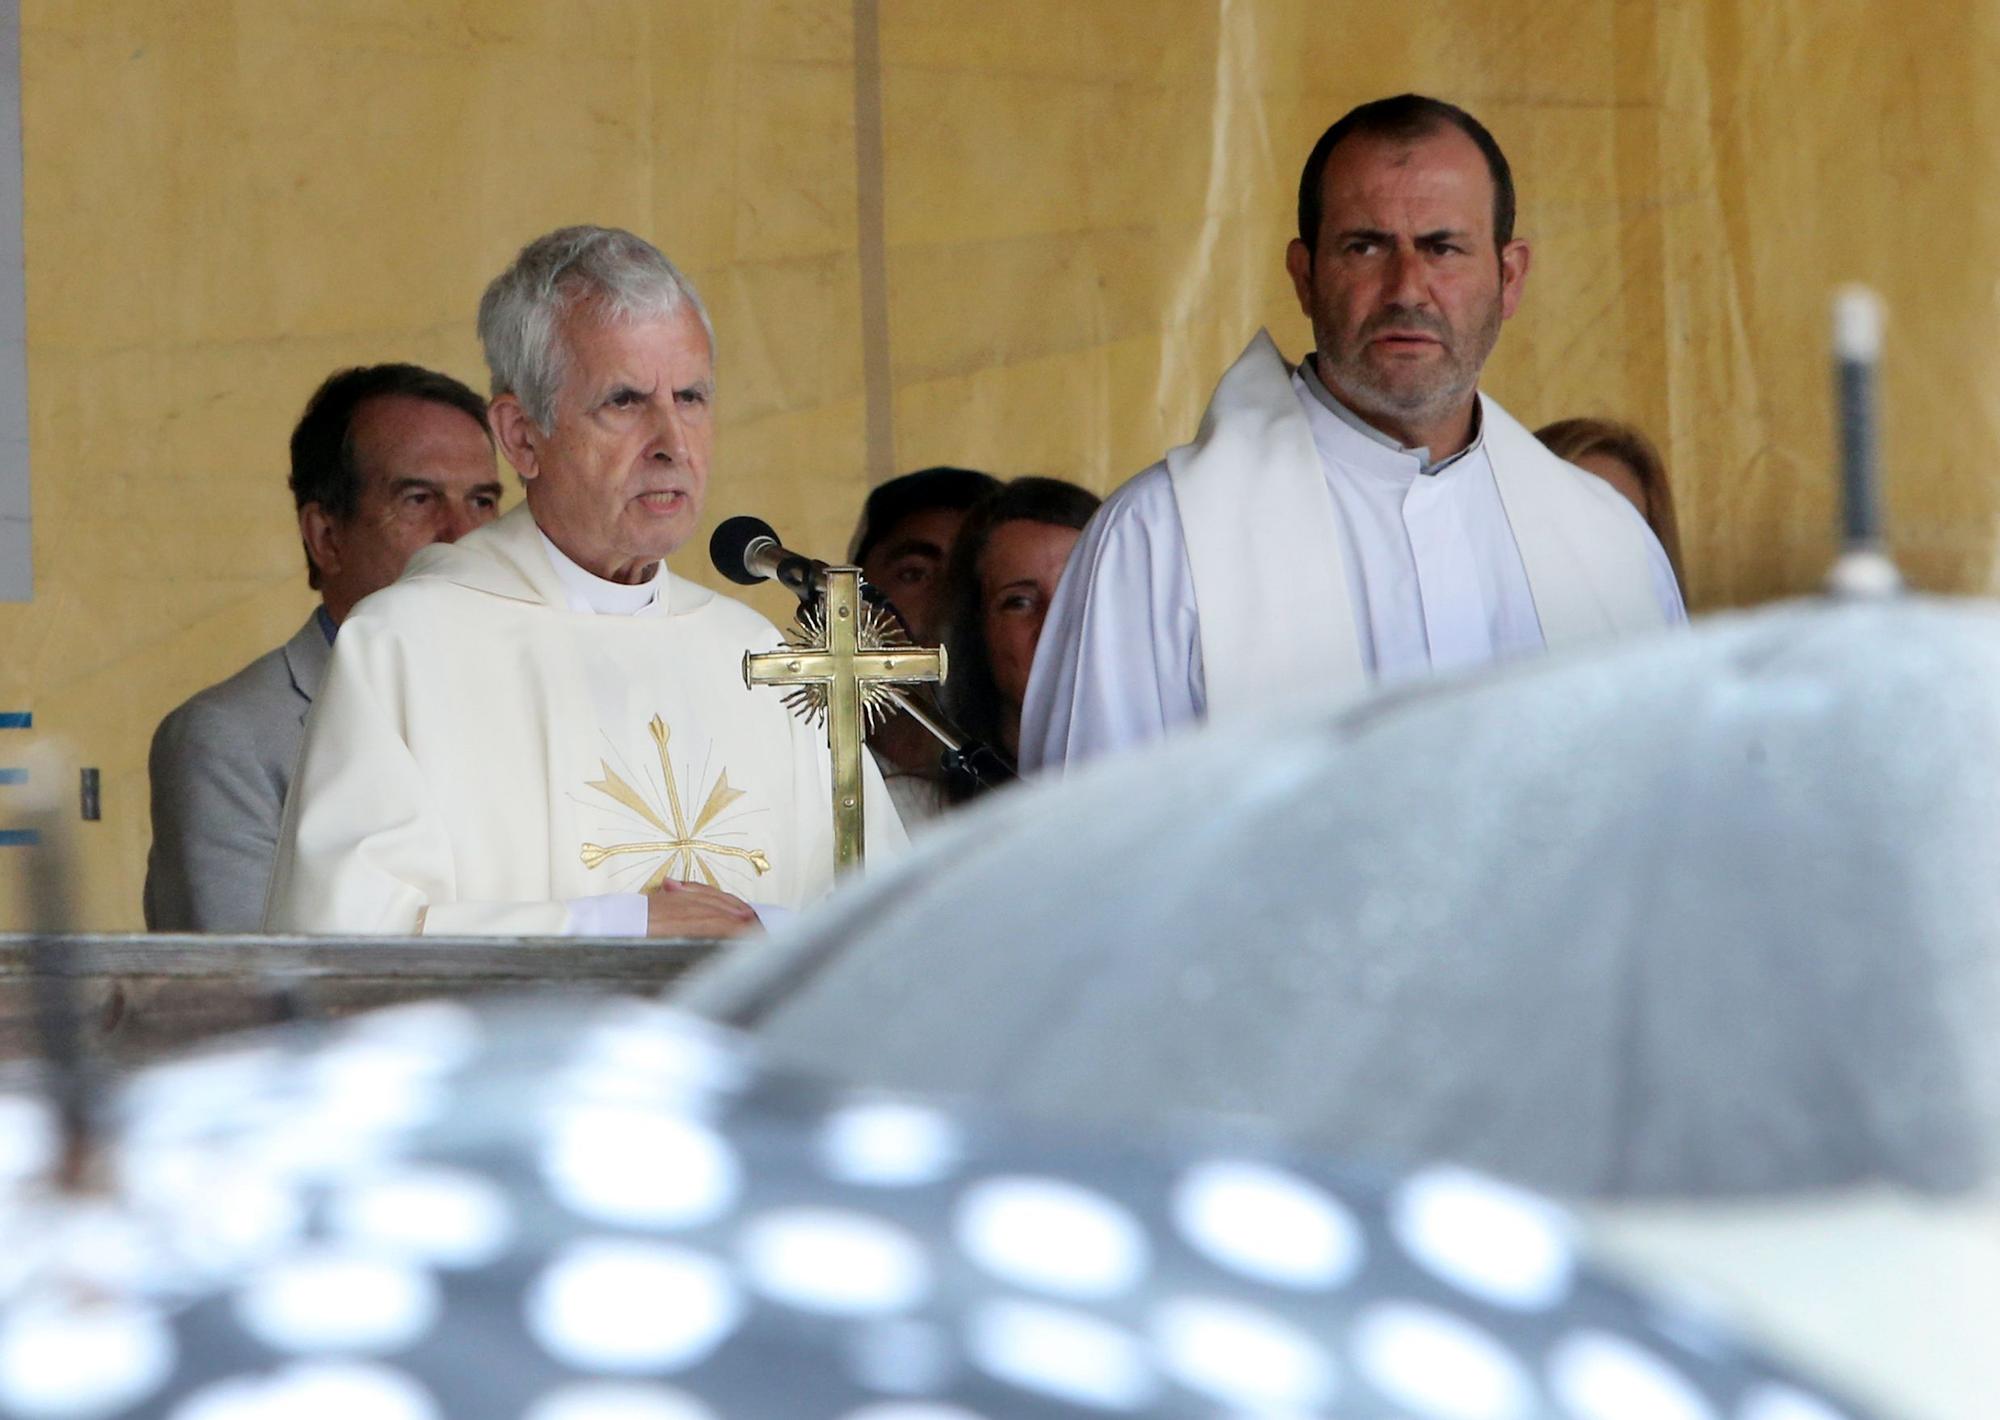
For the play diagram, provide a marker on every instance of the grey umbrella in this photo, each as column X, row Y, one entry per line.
column 611, row 1212
column 1707, row 914
column 1701, row 933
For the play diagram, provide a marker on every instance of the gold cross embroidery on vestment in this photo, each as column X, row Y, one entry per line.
column 685, row 853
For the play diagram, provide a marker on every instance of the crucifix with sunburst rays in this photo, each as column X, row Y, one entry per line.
column 684, row 853
column 844, row 658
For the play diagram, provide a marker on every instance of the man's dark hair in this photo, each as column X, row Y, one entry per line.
column 323, row 468
column 913, row 493
column 1404, row 118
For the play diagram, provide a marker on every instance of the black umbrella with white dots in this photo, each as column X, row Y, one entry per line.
column 609, row 1212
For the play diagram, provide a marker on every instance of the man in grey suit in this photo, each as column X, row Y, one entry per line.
column 386, row 459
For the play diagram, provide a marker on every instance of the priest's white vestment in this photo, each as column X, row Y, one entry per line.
column 1289, row 533
column 490, row 755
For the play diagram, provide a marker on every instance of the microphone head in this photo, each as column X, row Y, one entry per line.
column 731, row 543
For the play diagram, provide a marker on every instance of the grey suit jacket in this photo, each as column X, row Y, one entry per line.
column 220, row 766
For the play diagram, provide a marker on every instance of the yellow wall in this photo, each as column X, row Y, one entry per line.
column 1084, row 202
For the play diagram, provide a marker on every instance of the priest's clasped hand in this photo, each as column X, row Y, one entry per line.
column 677, row 909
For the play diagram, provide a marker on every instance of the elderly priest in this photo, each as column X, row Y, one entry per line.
column 540, row 730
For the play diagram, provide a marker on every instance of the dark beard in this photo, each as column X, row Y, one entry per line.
column 1358, row 384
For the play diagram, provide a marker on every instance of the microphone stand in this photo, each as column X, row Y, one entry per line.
column 964, row 761
column 972, row 763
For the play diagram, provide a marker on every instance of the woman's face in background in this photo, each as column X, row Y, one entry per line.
column 1018, row 572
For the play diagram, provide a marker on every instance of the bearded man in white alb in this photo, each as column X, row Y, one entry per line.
column 540, row 730
column 1368, row 514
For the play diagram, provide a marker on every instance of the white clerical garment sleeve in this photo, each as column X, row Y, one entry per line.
column 363, row 844
column 1119, row 660
column 628, row 914
column 614, row 914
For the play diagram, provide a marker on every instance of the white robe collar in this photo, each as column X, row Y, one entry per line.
column 509, row 558
column 1262, row 536
column 1329, row 401
column 1271, row 591
column 589, row 592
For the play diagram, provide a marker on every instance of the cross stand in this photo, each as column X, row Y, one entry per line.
column 844, row 657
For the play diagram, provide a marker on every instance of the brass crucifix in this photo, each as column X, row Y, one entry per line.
column 844, row 655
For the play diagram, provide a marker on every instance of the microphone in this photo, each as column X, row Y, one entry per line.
column 746, row 550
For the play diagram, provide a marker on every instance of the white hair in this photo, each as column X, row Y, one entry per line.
column 521, row 314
